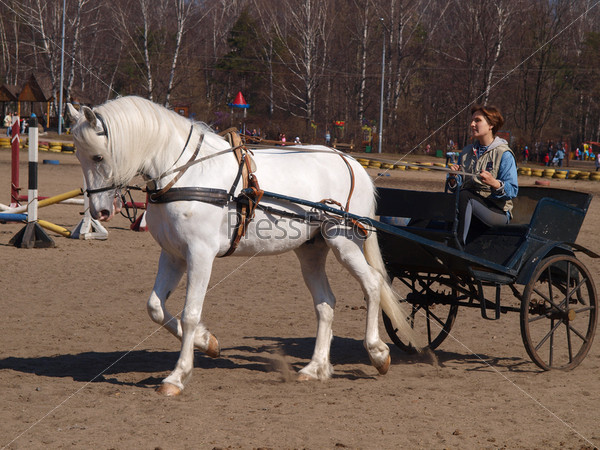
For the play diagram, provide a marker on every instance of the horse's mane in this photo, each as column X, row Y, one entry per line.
column 138, row 128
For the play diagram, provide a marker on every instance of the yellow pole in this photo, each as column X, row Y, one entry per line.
column 50, row 201
column 56, row 228
column 59, row 197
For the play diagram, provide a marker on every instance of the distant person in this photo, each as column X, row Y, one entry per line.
column 559, row 156
column 526, row 154
column 327, row 138
column 597, row 161
column 8, row 122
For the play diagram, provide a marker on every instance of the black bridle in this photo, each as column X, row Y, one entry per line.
column 114, row 187
column 104, row 131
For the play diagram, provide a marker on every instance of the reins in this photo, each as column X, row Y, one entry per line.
column 156, row 194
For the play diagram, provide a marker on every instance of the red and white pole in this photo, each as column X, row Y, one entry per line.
column 32, row 192
column 15, row 143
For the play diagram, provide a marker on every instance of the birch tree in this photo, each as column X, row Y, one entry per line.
column 303, row 33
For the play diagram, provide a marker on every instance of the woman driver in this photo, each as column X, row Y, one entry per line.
column 486, row 195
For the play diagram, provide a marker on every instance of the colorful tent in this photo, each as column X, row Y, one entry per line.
column 239, row 102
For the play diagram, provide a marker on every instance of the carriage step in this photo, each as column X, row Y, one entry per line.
column 492, row 277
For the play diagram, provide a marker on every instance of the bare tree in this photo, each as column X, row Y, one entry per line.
column 182, row 13
column 540, row 80
column 303, row 32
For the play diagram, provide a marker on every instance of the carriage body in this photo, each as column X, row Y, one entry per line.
column 534, row 256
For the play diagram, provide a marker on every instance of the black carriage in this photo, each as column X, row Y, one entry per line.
column 534, row 257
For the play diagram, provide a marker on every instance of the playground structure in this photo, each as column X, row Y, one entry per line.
column 33, row 234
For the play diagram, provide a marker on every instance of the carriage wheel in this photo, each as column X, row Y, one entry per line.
column 430, row 314
column 559, row 313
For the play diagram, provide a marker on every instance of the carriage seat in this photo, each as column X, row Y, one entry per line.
column 546, row 213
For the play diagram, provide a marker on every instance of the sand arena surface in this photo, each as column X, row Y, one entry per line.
column 80, row 357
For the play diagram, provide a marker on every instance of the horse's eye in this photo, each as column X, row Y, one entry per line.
column 97, row 158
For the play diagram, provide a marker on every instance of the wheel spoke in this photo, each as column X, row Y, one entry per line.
column 538, row 317
column 437, row 319
column 574, row 330
column 427, row 314
column 550, row 293
column 549, row 334
column 569, row 346
column 537, row 291
column 576, row 288
column 413, row 314
column 551, row 346
column 549, row 300
column 587, row 308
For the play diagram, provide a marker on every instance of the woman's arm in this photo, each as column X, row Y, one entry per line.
column 507, row 175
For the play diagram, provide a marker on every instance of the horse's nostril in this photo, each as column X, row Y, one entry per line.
column 105, row 213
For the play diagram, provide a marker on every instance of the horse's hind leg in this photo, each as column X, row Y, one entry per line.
column 312, row 262
column 347, row 248
column 170, row 271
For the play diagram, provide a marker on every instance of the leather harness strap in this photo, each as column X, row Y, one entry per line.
column 251, row 191
column 351, row 181
column 155, row 195
column 218, row 197
column 245, row 211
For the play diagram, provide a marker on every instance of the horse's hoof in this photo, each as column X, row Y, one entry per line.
column 168, row 390
column 305, row 377
column 213, row 350
column 383, row 369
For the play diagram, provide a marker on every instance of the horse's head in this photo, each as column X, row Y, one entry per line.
column 91, row 141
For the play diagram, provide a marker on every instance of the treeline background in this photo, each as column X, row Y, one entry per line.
column 303, row 64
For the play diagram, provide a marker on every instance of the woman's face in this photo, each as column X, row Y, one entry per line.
column 480, row 128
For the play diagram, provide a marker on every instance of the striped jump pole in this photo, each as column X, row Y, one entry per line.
column 15, row 143
column 32, row 235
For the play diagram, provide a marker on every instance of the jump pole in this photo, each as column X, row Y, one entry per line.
column 10, row 217
column 48, row 201
column 32, row 235
column 15, row 143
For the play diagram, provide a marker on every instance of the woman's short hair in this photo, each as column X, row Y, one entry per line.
column 491, row 114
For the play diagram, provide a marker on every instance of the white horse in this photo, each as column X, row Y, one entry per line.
column 131, row 136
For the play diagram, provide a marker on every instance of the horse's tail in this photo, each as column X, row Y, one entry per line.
column 389, row 300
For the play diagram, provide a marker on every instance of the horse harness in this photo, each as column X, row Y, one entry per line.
column 248, row 199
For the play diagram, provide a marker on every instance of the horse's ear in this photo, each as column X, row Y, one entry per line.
column 89, row 116
column 72, row 112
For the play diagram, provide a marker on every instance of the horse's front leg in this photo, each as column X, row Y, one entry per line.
column 170, row 271
column 198, row 268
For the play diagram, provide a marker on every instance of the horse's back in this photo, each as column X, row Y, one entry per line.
column 315, row 175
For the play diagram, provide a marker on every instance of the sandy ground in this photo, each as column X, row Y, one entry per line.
column 80, row 358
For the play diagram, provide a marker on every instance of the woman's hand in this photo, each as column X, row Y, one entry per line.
column 451, row 180
column 487, row 178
